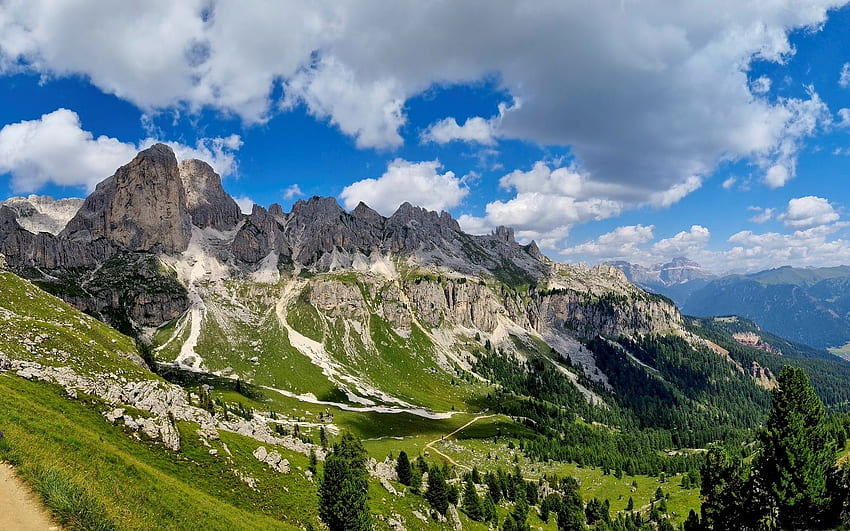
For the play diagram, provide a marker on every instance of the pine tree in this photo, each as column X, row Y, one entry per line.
column 796, row 456
column 402, row 468
column 471, row 502
column 438, row 491
column 314, row 462
column 518, row 519
column 343, row 500
column 488, row 509
column 571, row 512
column 723, row 490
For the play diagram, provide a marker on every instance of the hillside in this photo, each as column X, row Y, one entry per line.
column 259, row 339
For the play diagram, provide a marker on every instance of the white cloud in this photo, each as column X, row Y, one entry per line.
column 475, row 129
column 662, row 93
column 844, row 115
column 547, row 202
column 817, row 246
column 675, row 193
column 807, row 212
column 419, row 183
column 844, row 76
column 685, row 243
column 292, row 191
column 760, row 85
column 763, row 215
column 802, row 118
column 56, row 149
column 246, row 204
column 729, row 183
column 620, row 243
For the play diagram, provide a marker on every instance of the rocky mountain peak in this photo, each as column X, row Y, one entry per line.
column 364, row 213
column 505, row 234
column 316, row 210
column 142, row 207
column 208, row 204
column 407, row 214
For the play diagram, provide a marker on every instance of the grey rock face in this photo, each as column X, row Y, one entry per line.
column 140, row 208
column 208, row 204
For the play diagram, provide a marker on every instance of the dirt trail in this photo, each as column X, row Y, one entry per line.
column 430, row 445
column 20, row 509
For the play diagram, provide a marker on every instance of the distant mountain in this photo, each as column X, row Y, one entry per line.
column 811, row 306
column 675, row 279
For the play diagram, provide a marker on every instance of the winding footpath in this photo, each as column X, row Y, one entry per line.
column 20, row 509
column 430, row 445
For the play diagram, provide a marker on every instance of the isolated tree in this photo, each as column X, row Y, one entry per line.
column 402, row 468
column 791, row 470
column 438, row 490
column 471, row 502
column 314, row 462
column 343, row 499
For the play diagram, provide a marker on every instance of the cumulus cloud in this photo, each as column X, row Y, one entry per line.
column 762, row 215
column 819, row 246
column 685, row 243
column 292, row 191
column 761, row 85
column 475, row 129
column 663, row 91
column 419, row 183
column 619, row 244
column 246, row 204
column 547, row 202
column 56, row 149
column 807, row 212
column 844, row 117
column 844, row 76
column 729, row 183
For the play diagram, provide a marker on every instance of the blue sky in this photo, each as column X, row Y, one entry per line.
column 603, row 130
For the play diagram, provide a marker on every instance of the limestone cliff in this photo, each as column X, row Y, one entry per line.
column 140, row 208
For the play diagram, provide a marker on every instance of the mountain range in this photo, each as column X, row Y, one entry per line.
column 229, row 347
column 808, row 305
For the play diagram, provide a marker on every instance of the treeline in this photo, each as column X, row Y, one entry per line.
column 566, row 427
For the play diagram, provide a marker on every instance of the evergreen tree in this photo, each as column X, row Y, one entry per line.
column 518, row 519
column 438, row 491
column 402, row 468
column 630, row 506
column 796, row 456
column 722, row 491
column 314, row 462
column 343, row 500
column 471, row 501
column 488, row 509
column 571, row 512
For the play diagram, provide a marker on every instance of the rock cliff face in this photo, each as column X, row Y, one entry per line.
column 43, row 214
column 149, row 206
column 142, row 207
column 208, row 204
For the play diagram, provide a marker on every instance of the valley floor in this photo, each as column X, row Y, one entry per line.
column 20, row 508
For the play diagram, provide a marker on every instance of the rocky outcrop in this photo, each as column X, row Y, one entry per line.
column 272, row 459
column 260, row 235
column 43, row 213
column 208, row 204
column 140, row 208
